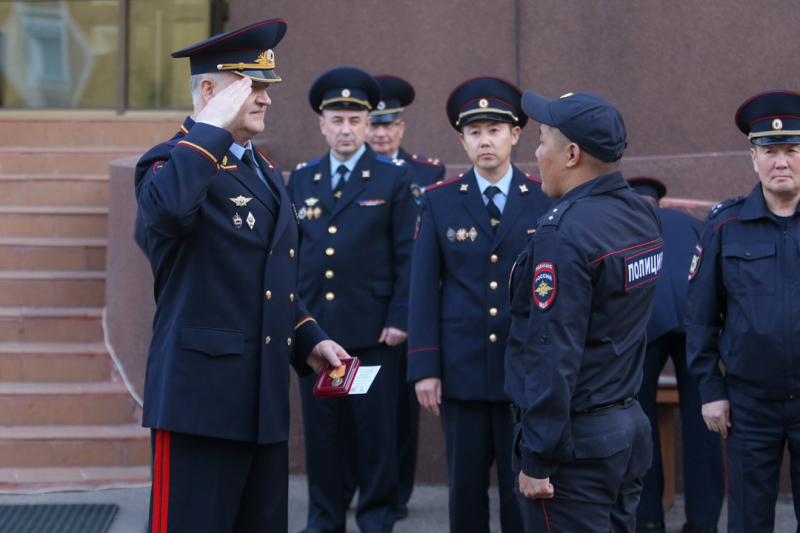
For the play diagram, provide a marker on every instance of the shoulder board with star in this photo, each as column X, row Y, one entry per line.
column 400, row 163
column 552, row 217
column 442, row 183
column 722, row 206
column 434, row 162
column 312, row 163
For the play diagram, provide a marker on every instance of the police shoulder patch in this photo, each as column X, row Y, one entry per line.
column 696, row 258
column 722, row 206
column 544, row 285
column 643, row 267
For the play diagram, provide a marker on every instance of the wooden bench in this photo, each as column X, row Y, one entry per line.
column 667, row 402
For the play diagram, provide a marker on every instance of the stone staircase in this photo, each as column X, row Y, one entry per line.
column 66, row 417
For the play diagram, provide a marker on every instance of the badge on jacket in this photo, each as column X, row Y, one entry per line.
column 544, row 285
column 698, row 255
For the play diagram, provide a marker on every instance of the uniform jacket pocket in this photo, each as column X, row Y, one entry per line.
column 383, row 289
column 212, row 341
column 602, row 445
column 748, row 252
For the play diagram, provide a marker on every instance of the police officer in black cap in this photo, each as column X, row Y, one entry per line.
column 703, row 470
column 471, row 229
column 222, row 238
column 744, row 303
column 387, row 129
column 357, row 216
column 580, row 299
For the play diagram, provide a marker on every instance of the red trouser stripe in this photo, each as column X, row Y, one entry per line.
column 161, row 482
column 546, row 520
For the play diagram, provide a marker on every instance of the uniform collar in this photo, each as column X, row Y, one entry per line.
column 504, row 184
column 235, row 149
column 350, row 163
column 755, row 206
column 600, row 185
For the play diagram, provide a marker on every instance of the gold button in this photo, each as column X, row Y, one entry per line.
column 332, row 230
column 493, row 259
column 329, row 251
column 493, row 311
column 289, row 341
column 493, row 285
column 291, row 297
column 291, row 253
column 267, row 340
column 329, row 296
column 493, row 337
column 329, row 274
column 270, row 252
column 269, row 295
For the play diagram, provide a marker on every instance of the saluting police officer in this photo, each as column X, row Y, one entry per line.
column 581, row 294
column 357, row 218
column 744, row 303
column 223, row 242
column 470, row 230
column 703, row 471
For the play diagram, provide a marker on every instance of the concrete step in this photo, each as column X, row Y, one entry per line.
column 64, row 478
column 53, row 221
column 51, row 324
column 49, row 288
column 60, row 160
column 54, row 189
column 74, row 446
column 55, row 362
column 73, row 404
column 48, row 253
column 80, row 130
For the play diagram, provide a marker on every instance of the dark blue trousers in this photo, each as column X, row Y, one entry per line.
column 476, row 435
column 703, row 468
column 598, row 493
column 760, row 430
column 209, row 485
column 373, row 419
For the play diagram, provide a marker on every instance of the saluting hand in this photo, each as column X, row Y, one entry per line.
column 429, row 394
column 223, row 108
column 717, row 416
column 326, row 352
column 535, row 489
column 393, row 336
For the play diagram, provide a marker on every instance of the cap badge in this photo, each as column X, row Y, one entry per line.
column 566, row 95
column 777, row 124
column 483, row 104
column 345, row 93
column 381, row 105
column 266, row 59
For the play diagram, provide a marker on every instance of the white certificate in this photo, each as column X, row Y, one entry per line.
column 363, row 380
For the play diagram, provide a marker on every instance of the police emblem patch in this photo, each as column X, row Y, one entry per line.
column 696, row 258
column 451, row 234
column 544, row 285
column 416, row 192
column 643, row 267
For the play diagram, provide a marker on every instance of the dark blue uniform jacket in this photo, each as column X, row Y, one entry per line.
column 744, row 303
column 356, row 257
column 580, row 300
column 680, row 232
column 459, row 284
column 222, row 344
column 428, row 171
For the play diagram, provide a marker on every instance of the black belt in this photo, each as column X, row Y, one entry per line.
column 620, row 403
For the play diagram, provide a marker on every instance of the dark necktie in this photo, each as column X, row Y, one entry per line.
column 494, row 211
column 337, row 191
column 248, row 160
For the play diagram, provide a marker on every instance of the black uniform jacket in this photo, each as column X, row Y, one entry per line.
column 680, row 232
column 356, row 251
column 744, row 303
column 459, row 317
column 428, row 170
column 228, row 317
column 580, row 300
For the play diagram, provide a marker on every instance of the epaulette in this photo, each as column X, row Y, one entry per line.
column 425, row 160
column 390, row 160
column 533, row 178
column 722, row 206
column 442, row 183
column 308, row 164
column 553, row 216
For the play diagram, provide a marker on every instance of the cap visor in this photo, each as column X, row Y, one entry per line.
column 264, row 76
column 384, row 118
column 537, row 107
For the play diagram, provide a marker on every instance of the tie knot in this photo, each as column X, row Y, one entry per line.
column 491, row 191
column 248, row 158
column 342, row 170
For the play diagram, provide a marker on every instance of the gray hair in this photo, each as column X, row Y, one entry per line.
column 218, row 78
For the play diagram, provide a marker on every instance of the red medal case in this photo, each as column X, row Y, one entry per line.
column 325, row 386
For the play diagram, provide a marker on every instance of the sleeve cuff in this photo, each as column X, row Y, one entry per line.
column 397, row 317
column 424, row 363
column 537, row 468
column 713, row 391
column 307, row 335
